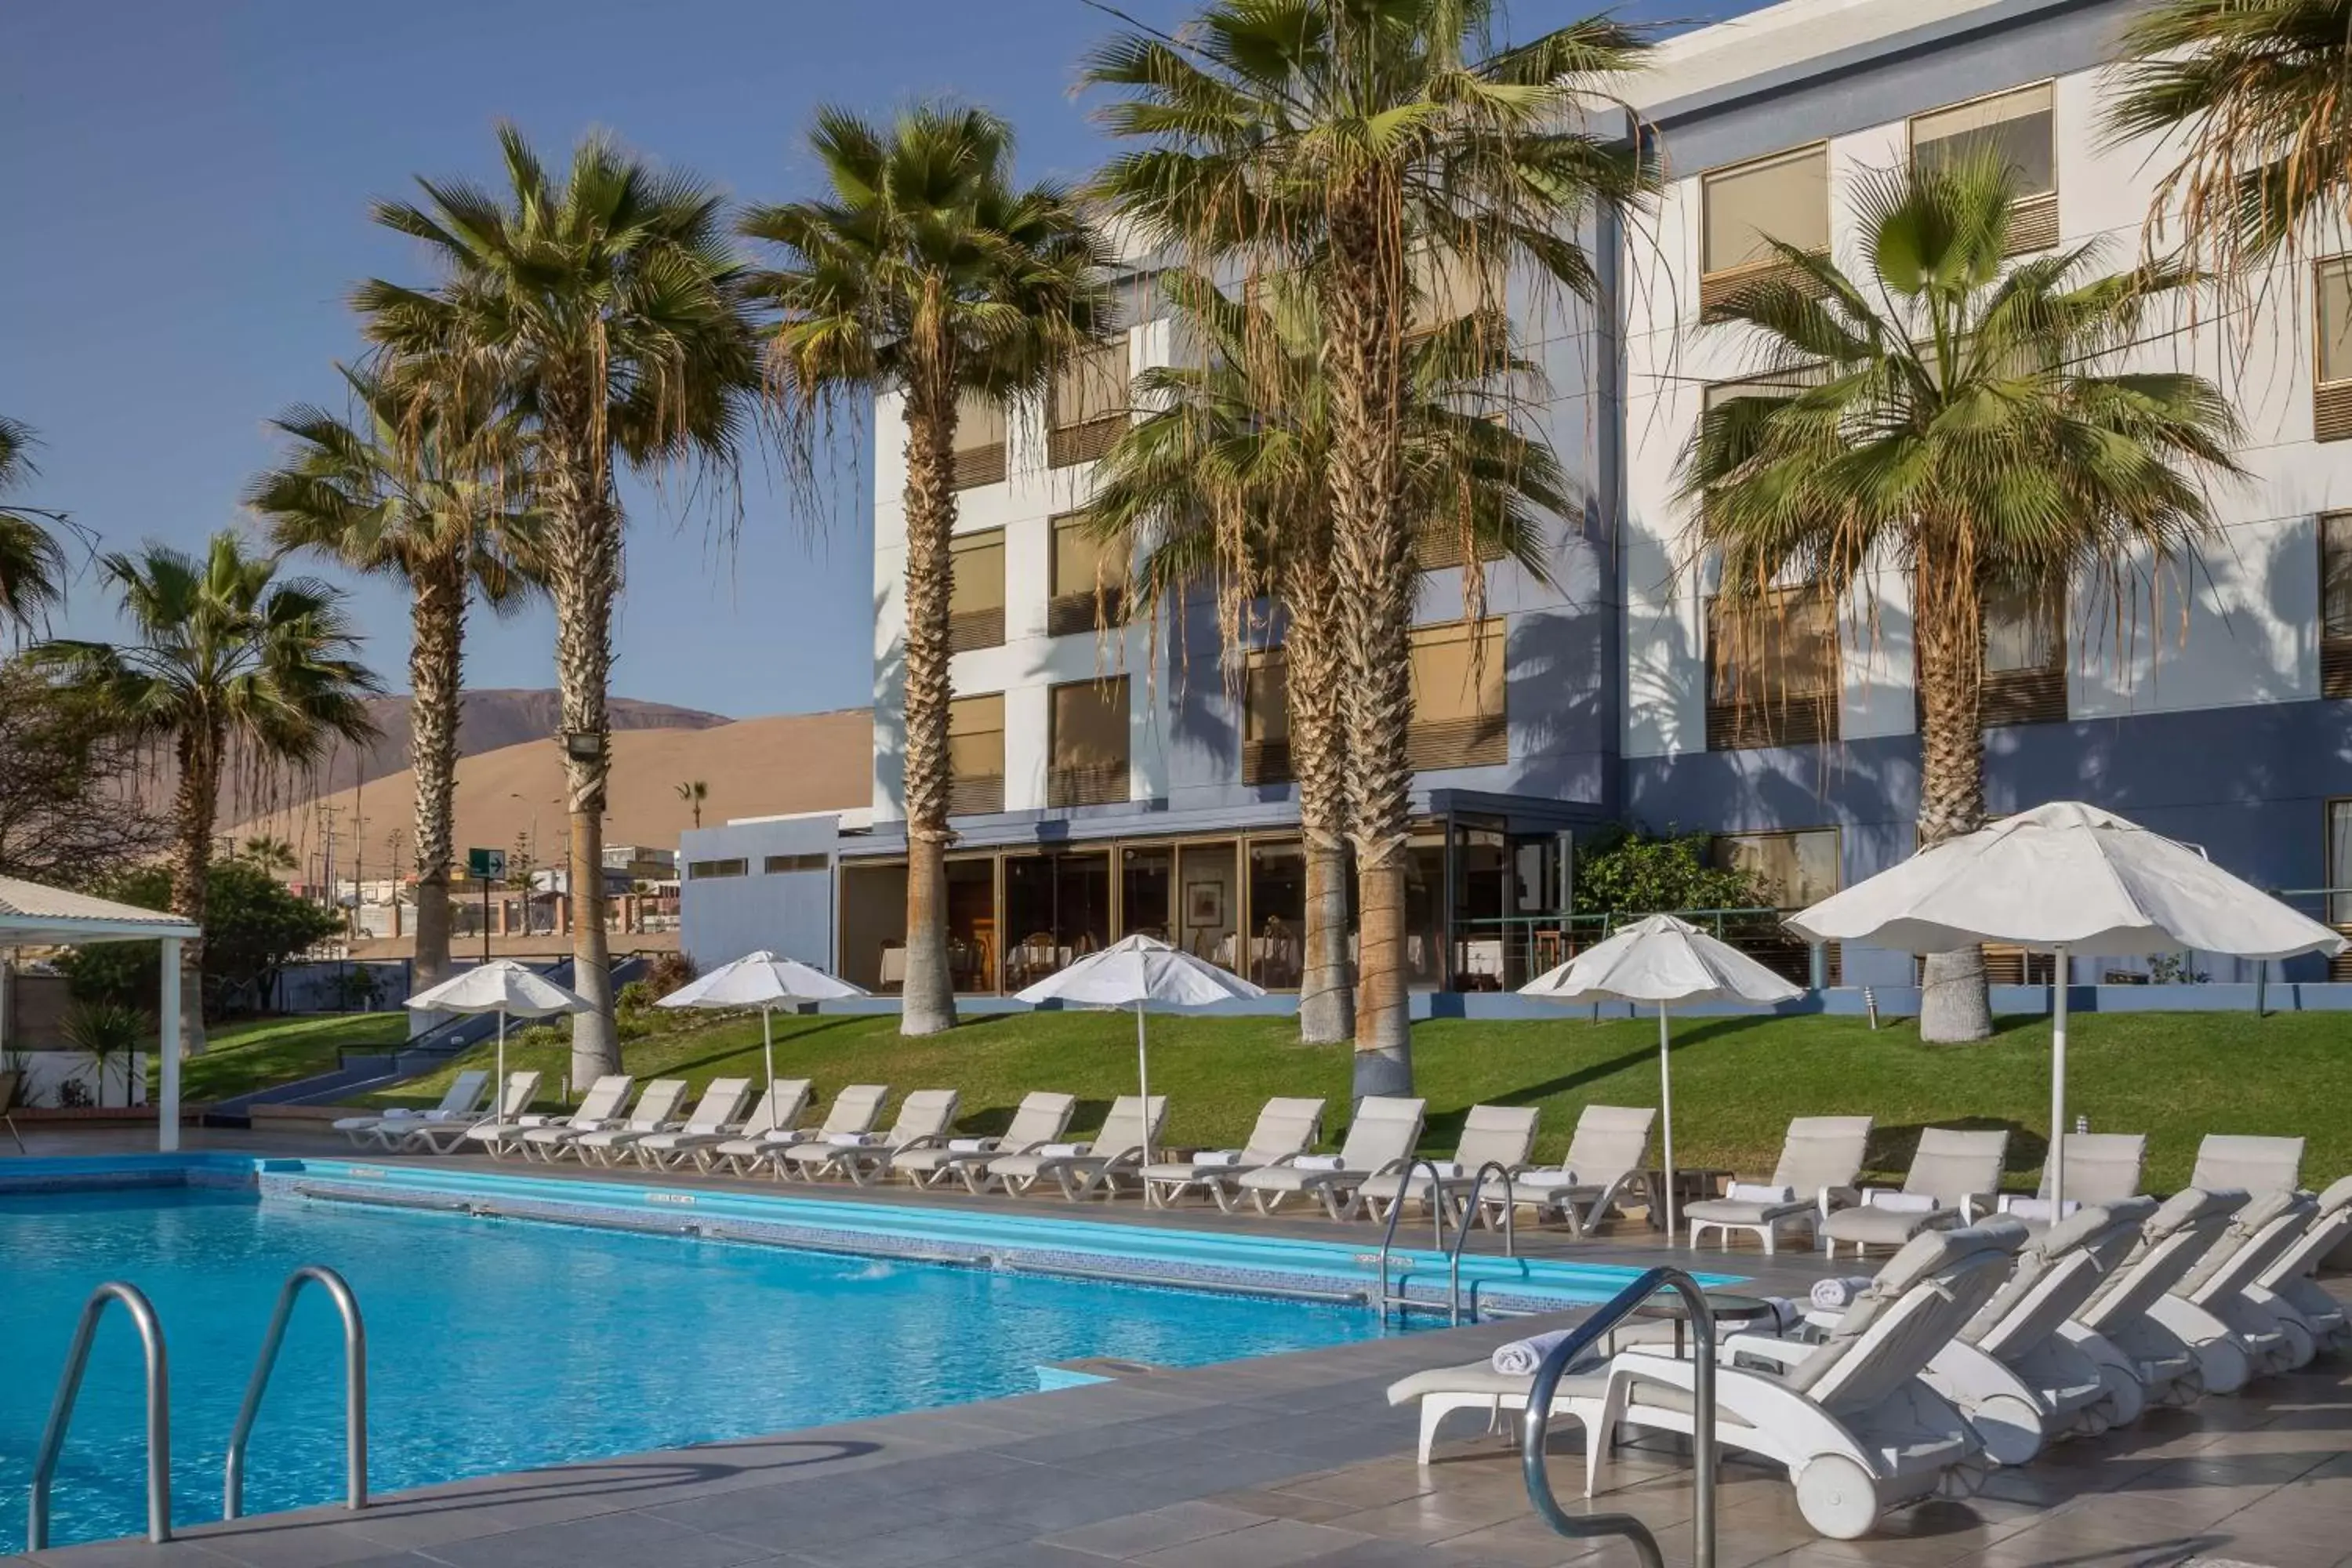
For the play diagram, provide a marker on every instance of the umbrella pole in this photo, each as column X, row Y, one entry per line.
column 1143, row 1078
column 2058, row 1089
column 502, row 1059
column 768, row 1045
column 1666, row 1103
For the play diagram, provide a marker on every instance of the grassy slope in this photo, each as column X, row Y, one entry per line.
column 1737, row 1080
column 261, row 1051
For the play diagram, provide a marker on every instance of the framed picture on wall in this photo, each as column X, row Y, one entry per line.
column 1204, row 903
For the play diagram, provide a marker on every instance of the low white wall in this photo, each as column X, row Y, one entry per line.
column 46, row 1070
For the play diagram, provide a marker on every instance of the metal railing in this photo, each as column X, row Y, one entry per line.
column 355, row 1388
column 1524, row 946
column 1466, row 1218
column 1398, row 1300
column 1547, row 1383
column 159, row 1412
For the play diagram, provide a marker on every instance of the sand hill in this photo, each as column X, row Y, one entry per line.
column 755, row 767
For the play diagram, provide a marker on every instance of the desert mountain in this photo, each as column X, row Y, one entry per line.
column 513, row 798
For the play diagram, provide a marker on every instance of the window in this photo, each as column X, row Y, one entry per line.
column 2018, row 128
column 1791, row 871
column 1277, row 912
column 777, row 864
column 976, row 754
column 1772, row 670
column 699, row 870
column 1458, row 719
column 1057, row 912
column 979, row 441
column 1089, row 574
column 1089, row 743
column 2331, row 402
column 2024, row 658
column 1785, row 198
column 1717, row 395
column 1086, row 408
column 1265, row 719
column 2335, row 604
column 976, row 603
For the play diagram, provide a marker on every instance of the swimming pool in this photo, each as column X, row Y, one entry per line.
column 497, row 1343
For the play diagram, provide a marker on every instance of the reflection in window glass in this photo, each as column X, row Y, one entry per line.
column 1145, row 887
column 2015, row 127
column 971, row 922
column 2336, row 574
column 874, row 927
column 2336, row 320
column 1208, row 902
column 1089, row 743
column 1277, row 906
column 1783, row 651
column 1056, row 911
column 1791, row 869
column 1786, row 198
column 2022, row 631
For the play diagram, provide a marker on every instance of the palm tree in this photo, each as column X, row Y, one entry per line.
column 33, row 567
column 1356, row 139
column 268, row 853
column 1968, row 424
column 927, row 272
column 694, row 791
column 230, row 665
column 1228, row 485
column 413, row 491
column 604, row 309
column 2255, row 89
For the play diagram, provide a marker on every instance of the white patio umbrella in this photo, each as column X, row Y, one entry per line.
column 1663, row 960
column 500, row 986
column 764, row 981
column 1140, row 972
column 2061, row 878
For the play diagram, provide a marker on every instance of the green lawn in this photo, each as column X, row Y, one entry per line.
column 1737, row 1080
column 257, row 1052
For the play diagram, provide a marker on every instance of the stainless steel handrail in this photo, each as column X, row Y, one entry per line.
column 355, row 1388
column 1462, row 1224
column 1436, row 1228
column 1547, row 1383
column 159, row 1412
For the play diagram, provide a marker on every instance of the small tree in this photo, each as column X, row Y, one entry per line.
column 107, row 1033
column 252, row 926
column 694, row 791
column 1636, row 873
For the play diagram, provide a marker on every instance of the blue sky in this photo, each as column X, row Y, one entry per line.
column 187, row 190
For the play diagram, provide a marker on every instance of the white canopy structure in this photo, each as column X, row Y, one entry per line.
column 1663, row 960
column 504, row 987
column 1141, row 971
column 2065, row 877
column 764, row 981
column 32, row 915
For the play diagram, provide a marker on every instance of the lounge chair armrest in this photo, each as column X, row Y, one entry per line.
column 1834, row 1198
column 1974, row 1207
column 927, row 1140
column 1764, row 1347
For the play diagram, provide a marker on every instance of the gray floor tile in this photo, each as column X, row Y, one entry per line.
column 1270, row 1545
column 617, row 1540
column 1132, row 1536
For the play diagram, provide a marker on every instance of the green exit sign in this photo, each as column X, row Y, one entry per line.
column 486, row 865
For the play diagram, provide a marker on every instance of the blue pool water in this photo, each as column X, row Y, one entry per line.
column 496, row 1345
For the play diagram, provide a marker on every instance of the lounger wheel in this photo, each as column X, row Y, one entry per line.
column 2223, row 1367
column 2299, row 1346
column 1837, row 1497
column 2126, row 1400
column 2010, row 1426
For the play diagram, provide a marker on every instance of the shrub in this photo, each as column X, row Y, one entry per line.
column 636, row 997
column 667, row 972
column 1636, row 873
column 107, row 1033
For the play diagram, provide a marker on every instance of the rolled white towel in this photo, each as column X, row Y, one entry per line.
column 1214, row 1157
column 1446, row 1168
column 1521, row 1357
column 849, row 1139
column 1837, row 1295
column 1760, row 1193
column 1063, row 1151
column 971, row 1145
column 2039, row 1211
column 1546, row 1181
column 1317, row 1162
column 1904, row 1203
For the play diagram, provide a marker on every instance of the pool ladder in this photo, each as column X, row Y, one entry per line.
column 1400, row 1299
column 159, row 1401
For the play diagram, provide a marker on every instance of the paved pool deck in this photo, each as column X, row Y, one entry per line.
column 1295, row 1458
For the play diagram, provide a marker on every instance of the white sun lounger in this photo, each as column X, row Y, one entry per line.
column 1849, row 1417
column 1501, row 1135
column 1285, row 1129
column 1082, row 1169
column 1953, row 1177
column 2012, row 1372
column 1040, row 1119
column 1380, row 1140
column 720, row 1105
column 854, row 1112
column 2237, row 1338
column 742, row 1150
column 2313, row 1320
column 460, row 1102
column 1820, row 1159
column 444, row 1137
column 924, row 1118
column 2251, row 1164
column 2145, row 1362
column 782, row 1101
column 597, row 1107
column 2101, row 1168
column 655, row 1111
column 1608, row 1161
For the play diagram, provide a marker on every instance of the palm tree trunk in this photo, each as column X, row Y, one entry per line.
column 436, row 661
column 927, row 1002
column 1327, row 1013
column 583, row 559
column 1371, row 551
column 195, row 800
column 1954, row 1005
